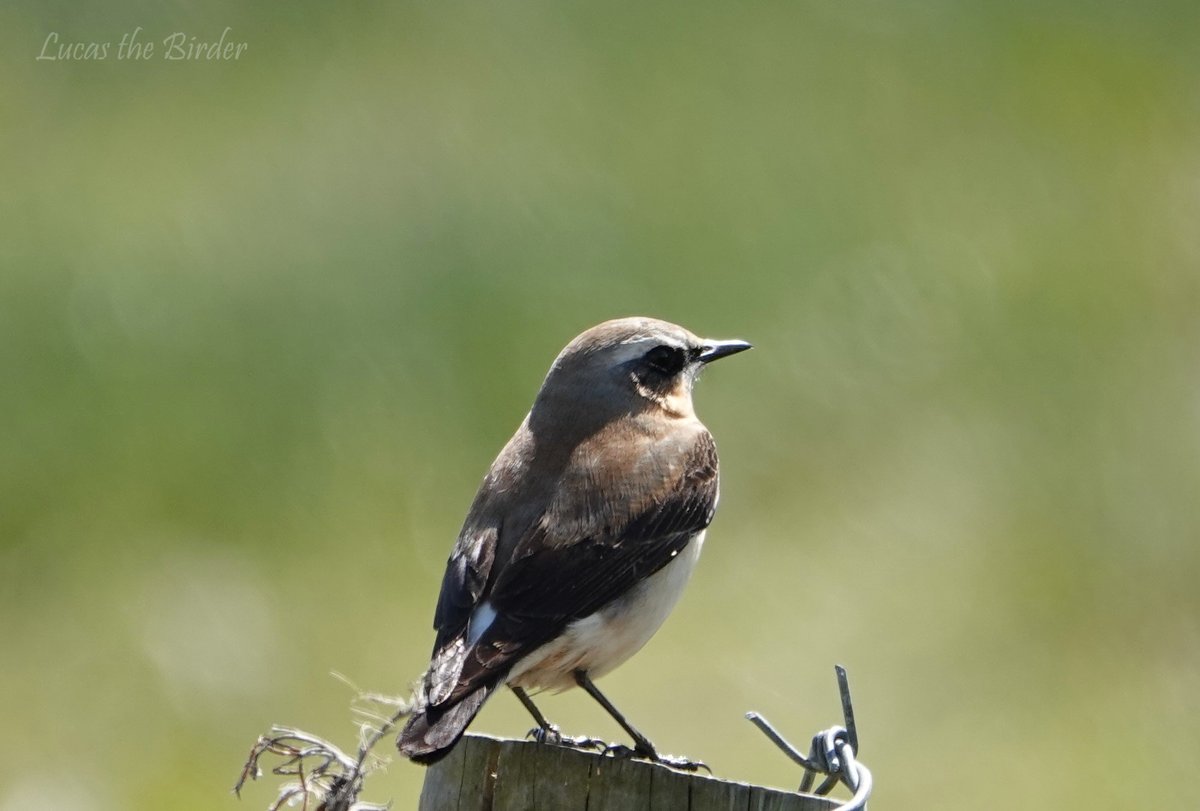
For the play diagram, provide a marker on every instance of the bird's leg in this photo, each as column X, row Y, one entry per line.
column 547, row 732
column 641, row 744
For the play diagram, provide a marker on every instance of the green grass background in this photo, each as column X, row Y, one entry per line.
column 264, row 324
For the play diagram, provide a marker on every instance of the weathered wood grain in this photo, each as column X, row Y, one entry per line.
column 490, row 774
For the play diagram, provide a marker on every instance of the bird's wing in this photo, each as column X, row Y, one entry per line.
column 557, row 575
column 466, row 577
column 462, row 585
column 558, row 578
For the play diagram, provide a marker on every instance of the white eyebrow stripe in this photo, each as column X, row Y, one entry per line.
column 628, row 350
column 638, row 346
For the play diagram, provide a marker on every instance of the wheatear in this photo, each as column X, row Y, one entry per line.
column 581, row 537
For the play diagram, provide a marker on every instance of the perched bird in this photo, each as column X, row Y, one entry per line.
column 582, row 535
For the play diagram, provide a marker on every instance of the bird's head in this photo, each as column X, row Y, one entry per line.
column 630, row 365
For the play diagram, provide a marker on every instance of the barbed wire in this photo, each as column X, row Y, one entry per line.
column 319, row 772
column 832, row 753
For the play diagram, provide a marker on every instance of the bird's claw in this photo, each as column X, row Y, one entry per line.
column 620, row 750
column 682, row 763
column 552, row 735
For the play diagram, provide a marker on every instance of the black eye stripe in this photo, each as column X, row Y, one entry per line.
column 667, row 360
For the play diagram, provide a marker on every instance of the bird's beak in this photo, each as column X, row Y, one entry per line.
column 712, row 350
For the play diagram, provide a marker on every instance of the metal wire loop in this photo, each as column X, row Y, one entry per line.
column 832, row 753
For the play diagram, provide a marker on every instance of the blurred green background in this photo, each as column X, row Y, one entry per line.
column 265, row 323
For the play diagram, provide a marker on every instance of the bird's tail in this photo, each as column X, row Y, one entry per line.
column 431, row 733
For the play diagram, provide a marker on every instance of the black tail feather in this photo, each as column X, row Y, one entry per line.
column 431, row 733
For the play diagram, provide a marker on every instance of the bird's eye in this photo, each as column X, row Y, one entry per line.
column 668, row 360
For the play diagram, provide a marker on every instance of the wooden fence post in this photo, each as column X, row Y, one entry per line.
column 490, row 774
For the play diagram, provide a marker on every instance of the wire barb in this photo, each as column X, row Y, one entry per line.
column 321, row 776
column 832, row 753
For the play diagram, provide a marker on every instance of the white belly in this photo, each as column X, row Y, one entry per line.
column 602, row 641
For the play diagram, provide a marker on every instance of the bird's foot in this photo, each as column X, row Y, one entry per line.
column 620, row 750
column 552, row 735
column 682, row 763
